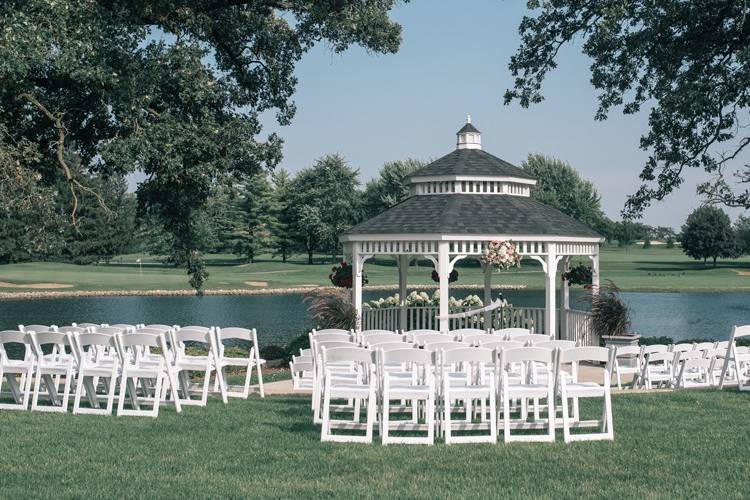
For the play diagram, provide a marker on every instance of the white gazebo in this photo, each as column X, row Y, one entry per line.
column 458, row 204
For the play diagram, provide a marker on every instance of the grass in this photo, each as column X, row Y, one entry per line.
column 667, row 445
column 634, row 269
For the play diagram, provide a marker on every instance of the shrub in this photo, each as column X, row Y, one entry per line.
column 647, row 242
column 299, row 342
column 331, row 309
column 272, row 352
column 610, row 315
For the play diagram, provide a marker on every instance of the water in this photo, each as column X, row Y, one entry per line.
column 280, row 317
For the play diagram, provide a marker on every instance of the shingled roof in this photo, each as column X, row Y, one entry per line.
column 471, row 162
column 473, row 214
column 469, row 128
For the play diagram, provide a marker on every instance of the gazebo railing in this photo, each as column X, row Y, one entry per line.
column 577, row 323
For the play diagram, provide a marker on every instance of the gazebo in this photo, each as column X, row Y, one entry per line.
column 458, row 205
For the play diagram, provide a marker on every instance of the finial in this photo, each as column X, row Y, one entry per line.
column 468, row 118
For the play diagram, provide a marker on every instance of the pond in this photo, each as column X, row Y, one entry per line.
column 280, row 317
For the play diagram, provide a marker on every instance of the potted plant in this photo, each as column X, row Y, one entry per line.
column 453, row 276
column 341, row 276
column 501, row 255
column 610, row 317
column 580, row 274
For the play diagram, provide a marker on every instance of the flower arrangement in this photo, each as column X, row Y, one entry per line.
column 580, row 274
column 453, row 276
column 502, row 255
column 423, row 299
column 341, row 275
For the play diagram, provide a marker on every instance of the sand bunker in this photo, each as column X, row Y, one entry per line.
column 742, row 273
column 5, row 284
column 256, row 283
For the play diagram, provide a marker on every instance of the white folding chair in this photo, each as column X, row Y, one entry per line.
column 363, row 387
column 93, row 368
column 468, row 334
column 253, row 360
column 509, row 333
column 528, row 388
column 183, row 363
column 738, row 363
column 432, row 338
column 59, row 364
column 694, row 370
column 464, row 379
column 343, row 370
column 574, row 389
column 301, row 368
column 414, row 335
column 496, row 342
column 331, row 330
column 136, row 367
column 658, row 368
column 21, row 367
column 627, row 361
column 415, row 383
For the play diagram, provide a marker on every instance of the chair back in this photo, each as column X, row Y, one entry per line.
column 35, row 328
column 557, row 344
column 204, row 329
column 431, row 338
column 408, row 355
column 685, row 355
column 627, row 351
column 498, row 344
column 444, row 346
column 530, row 339
column 390, row 346
column 661, row 356
column 191, row 334
column 460, row 332
column 330, row 337
column 15, row 337
column 124, row 326
column 72, row 329
column 683, row 347
column 512, row 332
column 468, row 355
column 87, row 325
column 160, row 327
column 416, row 334
column 524, row 354
column 578, row 354
column 330, row 330
column 350, row 354
column 648, row 349
column 110, row 330
column 383, row 338
column 367, row 333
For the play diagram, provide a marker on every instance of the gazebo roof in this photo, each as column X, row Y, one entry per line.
column 475, row 162
column 473, row 214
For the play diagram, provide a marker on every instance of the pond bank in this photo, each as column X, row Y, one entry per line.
column 67, row 294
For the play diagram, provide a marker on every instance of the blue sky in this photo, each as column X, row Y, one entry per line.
column 454, row 60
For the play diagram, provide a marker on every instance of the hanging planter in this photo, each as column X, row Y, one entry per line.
column 341, row 276
column 580, row 274
column 453, row 276
column 502, row 255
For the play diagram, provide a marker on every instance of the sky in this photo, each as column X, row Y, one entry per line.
column 453, row 61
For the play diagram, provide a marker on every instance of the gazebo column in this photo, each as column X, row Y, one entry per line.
column 403, row 269
column 550, row 282
column 357, row 265
column 564, row 300
column 487, row 294
column 444, row 274
column 595, row 270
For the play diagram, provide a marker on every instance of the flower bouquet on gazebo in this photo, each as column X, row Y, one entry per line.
column 341, row 276
column 501, row 255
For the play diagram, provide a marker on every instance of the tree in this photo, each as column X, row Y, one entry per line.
column 101, row 234
column 325, row 202
column 560, row 186
column 742, row 235
column 282, row 237
column 253, row 232
column 647, row 242
column 707, row 233
column 29, row 223
column 685, row 61
column 390, row 187
column 172, row 89
column 670, row 242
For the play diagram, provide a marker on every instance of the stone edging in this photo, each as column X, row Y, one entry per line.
column 217, row 291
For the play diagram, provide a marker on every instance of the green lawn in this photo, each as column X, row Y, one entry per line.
column 667, row 445
column 654, row 269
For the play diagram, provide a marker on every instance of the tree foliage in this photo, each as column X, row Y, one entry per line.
column 707, row 234
column 325, row 202
column 742, row 235
column 171, row 88
column 390, row 187
column 686, row 62
column 560, row 186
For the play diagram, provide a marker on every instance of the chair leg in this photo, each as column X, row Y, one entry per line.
column 124, row 384
column 385, row 419
column 260, row 380
column 506, row 415
column 35, row 394
column 325, row 431
column 157, row 395
column 493, row 414
column 447, row 414
column 371, row 410
column 565, row 417
column 430, row 418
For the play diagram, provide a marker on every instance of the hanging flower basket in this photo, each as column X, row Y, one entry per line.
column 502, row 255
column 453, row 276
column 341, row 276
column 579, row 274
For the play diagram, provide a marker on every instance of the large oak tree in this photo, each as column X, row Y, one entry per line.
column 686, row 61
column 171, row 88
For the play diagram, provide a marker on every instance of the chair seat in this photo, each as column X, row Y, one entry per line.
column 240, row 362
column 469, row 391
column 349, row 390
column 584, row 389
column 409, row 391
column 14, row 364
column 527, row 389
